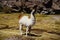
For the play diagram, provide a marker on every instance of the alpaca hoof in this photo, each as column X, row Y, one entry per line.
column 26, row 35
column 21, row 34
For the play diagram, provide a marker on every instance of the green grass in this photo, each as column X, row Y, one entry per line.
column 46, row 26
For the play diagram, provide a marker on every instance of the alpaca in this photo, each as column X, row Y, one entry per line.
column 27, row 21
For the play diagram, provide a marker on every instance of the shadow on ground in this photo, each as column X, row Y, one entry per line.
column 33, row 35
column 40, row 31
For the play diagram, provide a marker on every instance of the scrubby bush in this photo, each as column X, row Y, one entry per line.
column 1, row 7
column 7, row 9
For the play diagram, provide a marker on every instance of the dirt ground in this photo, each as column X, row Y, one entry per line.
column 47, row 27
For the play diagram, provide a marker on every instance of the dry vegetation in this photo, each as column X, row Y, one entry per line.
column 47, row 27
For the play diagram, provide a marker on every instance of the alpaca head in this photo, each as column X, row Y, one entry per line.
column 34, row 9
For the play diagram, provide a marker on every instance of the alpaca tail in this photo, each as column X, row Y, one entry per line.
column 20, row 15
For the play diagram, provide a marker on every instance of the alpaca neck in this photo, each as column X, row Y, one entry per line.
column 32, row 15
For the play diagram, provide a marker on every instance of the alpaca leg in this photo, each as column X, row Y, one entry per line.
column 20, row 29
column 27, row 31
